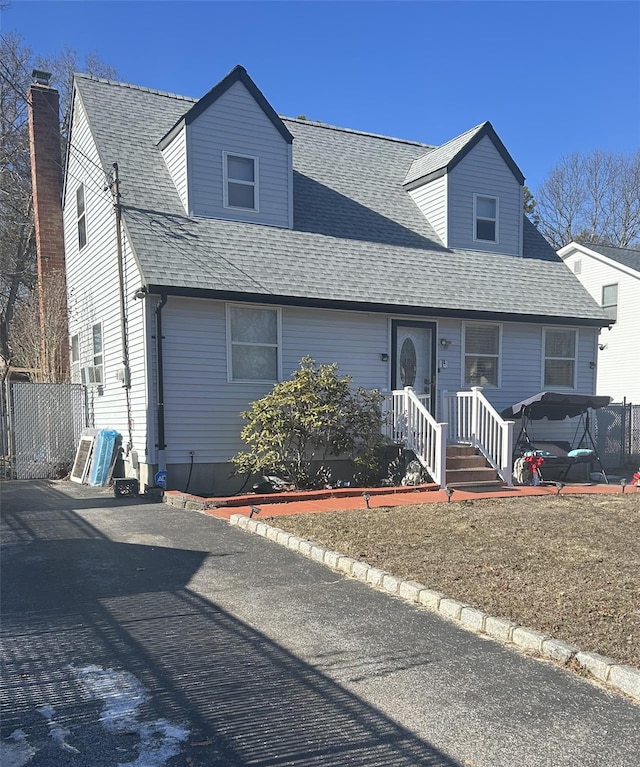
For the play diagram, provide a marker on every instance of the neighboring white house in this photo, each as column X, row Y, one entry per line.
column 249, row 241
column 612, row 277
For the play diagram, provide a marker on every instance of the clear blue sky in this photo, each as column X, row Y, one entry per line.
column 553, row 77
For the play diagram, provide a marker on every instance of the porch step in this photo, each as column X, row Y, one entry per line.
column 460, row 451
column 471, row 475
column 472, row 461
column 494, row 484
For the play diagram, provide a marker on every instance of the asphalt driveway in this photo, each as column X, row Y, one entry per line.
column 139, row 634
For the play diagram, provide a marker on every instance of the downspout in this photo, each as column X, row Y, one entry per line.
column 161, row 445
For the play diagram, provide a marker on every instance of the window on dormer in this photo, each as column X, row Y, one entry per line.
column 485, row 216
column 240, row 181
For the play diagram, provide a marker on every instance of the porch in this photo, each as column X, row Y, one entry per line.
column 473, row 429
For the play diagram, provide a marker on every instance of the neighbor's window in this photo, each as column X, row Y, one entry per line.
column 485, row 217
column 253, row 335
column 75, row 358
column 481, row 355
column 96, row 334
column 240, row 182
column 559, row 358
column 610, row 300
column 82, row 217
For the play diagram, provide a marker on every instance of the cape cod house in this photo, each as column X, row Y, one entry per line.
column 241, row 241
column 612, row 277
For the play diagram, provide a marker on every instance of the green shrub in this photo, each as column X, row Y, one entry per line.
column 305, row 420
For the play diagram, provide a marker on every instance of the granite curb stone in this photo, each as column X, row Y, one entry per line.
column 621, row 677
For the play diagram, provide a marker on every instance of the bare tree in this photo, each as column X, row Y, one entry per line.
column 592, row 198
column 17, row 243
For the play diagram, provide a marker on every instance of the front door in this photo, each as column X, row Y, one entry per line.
column 413, row 359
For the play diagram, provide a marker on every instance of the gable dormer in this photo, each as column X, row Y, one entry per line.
column 230, row 156
column 470, row 191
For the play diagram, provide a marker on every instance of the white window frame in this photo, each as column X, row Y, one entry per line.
column 231, row 344
column 254, row 183
column 74, row 356
column 81, row 217
column 556, row 328
column 605, row 307
column 498, row 356
column 476, row 197
column 99, row 354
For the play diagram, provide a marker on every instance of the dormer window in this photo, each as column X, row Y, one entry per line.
column 485, row 218
column 240, row 181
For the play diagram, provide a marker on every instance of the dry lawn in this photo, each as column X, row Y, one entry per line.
column 568, row 566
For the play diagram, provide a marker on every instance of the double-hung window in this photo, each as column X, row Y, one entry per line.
column 485, row 218
column 481, row 354
column 240, row 181
column 559, row 358
column 610, row 300
column 253, row 335
column 81, row 215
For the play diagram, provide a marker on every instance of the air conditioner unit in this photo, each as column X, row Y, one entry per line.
column 91, row 375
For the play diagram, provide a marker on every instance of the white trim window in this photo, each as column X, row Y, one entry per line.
column 482, row 344
column 253, row 343
column 240, row 181
column 75, row 358
column 81, row 215
column 485, row 218
column 610, row 300
column 560, row 351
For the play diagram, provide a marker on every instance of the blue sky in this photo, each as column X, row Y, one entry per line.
column 553, row 77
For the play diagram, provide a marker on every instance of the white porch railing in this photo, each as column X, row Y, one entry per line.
column 410, row 423
column 473, row 419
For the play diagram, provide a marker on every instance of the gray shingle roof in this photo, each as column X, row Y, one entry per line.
column 441, row 156
column 626, row 256
column 358, row 238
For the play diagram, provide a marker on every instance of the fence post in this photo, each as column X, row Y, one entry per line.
column 507, row 452
column 475, row 414
column 441, row 454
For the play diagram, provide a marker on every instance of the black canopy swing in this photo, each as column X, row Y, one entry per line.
column 556, row 406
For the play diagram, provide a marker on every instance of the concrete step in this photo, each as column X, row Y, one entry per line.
column 485, row 474
column 466, row 462
column 454, row 451
column 487, row 485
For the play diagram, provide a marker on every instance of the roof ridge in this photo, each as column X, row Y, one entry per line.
column 318, row 124
column 602, row 245
column 106, row 81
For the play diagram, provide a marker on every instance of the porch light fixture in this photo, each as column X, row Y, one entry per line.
column 141, row 292
column 445, row 343
column 384, row 357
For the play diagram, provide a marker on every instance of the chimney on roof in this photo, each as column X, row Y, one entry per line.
column 46, row 178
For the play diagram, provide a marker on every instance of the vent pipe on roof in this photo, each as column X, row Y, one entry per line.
column 40, row 77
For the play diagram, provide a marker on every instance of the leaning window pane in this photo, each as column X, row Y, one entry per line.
column 254, row 363
column 241, row 196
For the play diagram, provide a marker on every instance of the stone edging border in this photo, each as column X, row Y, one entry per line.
column 623, row 678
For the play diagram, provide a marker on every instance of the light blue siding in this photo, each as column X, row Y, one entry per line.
column 235, row 123
column 484, row 172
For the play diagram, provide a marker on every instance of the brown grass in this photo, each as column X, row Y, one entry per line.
column 568, row 566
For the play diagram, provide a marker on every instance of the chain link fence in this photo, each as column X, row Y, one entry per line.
column 616, row 432
column 43, row 425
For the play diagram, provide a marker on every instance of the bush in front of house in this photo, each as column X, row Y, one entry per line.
column 304, row 421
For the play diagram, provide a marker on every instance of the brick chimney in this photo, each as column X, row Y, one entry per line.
column 46, row 176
